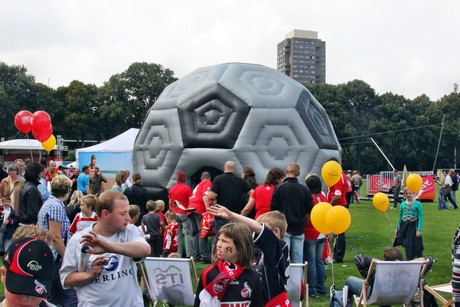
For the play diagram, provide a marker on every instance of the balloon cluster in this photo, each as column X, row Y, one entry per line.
column 40, row 125
column 325, row 217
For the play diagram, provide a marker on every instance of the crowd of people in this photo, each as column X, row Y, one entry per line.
column 97, row 234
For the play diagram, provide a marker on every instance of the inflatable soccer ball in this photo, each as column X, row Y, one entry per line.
column 251, row 114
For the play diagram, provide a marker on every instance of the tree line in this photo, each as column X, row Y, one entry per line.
column 406, row 130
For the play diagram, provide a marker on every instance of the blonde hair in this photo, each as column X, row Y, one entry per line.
column 33, row 231
column 106, row 201
column 76, row 198
column 60, row 185
column 171, row 215
column 160, row 205
column 274, row 219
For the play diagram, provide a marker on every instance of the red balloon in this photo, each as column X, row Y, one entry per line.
column 41, row 122
column 42, row 136
column 22, row 121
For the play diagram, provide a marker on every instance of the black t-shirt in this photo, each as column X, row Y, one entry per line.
column 230, row 190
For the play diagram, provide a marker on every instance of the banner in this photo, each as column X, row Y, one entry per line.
column 380, row 183
column 170, row 280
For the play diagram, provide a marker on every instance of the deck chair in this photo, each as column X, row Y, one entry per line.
column 395, row 282
column 170, row 280
column 447, row 288
column 296, row 283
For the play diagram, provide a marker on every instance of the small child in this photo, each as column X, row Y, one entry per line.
column 159, row 210
column 8, row 223
column 170, row 244
column 134, row 213
column 86, row 216
column 151, row 227
column 271, row 252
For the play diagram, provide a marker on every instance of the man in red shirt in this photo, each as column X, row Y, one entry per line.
column 199, row 248
column 179, row 195
column 336, row 195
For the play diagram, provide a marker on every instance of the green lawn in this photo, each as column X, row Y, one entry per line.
column 372, row 230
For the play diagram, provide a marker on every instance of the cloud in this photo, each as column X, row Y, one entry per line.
column 406, row 47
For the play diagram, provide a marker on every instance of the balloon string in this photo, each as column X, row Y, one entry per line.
column 30, row 147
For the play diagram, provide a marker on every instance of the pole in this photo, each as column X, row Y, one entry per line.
column 392, row 167
column 439, row 144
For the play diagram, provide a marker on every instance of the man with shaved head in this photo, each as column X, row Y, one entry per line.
column 228, row 190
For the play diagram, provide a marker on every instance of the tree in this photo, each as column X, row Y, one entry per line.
column 78, row 111
column 129, row 95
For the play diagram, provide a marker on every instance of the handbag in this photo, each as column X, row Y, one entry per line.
column 207, row 225
column 327, row 252
column 447, row 190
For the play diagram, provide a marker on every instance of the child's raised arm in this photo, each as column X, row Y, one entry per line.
column 228, row 215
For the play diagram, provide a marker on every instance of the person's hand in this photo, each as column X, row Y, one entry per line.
column 220, row 211
column 98, row 246
column 97, row 266
column 418, row 234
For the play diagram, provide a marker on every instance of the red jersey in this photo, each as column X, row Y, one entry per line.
column 170, row 244
column 310, row 232
column 196, row 200
column 163, row 222
column 263, row 196
column 80, row 222
column 339, row 189
column 180, row 192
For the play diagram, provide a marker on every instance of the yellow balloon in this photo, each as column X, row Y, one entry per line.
column 414, row 182
column 338, row 219
column 381, row 201
column 49, row 144
column 318, row 217
column 331, row 173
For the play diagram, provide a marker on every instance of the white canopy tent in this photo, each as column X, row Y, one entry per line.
column 112, row 155
column 22, row 144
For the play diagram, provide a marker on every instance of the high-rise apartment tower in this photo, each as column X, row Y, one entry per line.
column 302, row 56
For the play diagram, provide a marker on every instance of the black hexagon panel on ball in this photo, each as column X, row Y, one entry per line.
column 247, row 113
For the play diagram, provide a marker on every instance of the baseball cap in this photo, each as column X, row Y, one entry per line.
column 29, row 263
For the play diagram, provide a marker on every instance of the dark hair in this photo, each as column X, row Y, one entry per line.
column 392, row 254
column 250, row 176
column 84, row 168
column 313, row 183
column 137, row 179
column 181, row 177
column 273, row 175
column 32, row 171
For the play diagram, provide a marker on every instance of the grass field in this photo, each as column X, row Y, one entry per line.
column 372, row 230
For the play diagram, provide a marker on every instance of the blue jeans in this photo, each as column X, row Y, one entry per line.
column 313, row 253
column 295, row 245
column 181, row 220
column 196, row 247
column 355, row 286
column 442, row 204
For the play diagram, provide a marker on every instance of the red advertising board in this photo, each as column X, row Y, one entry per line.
column 378, row 183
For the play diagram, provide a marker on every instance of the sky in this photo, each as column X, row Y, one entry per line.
column 408, row 47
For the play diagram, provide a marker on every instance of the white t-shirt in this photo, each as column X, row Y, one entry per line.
column 448, row 181
column 117, row 285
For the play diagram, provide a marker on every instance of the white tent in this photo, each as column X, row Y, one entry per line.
column 112, row 155
column 22, row 144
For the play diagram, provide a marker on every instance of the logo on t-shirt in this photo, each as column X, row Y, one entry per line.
column 112, row 264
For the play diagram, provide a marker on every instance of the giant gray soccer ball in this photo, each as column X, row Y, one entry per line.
column 251, row 114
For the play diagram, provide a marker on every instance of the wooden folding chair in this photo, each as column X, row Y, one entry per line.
column 170, row 280
column 447, row 288
column 395, row 282
column 298, row 281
